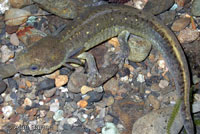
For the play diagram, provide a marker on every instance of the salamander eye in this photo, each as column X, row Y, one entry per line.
column 33, row 67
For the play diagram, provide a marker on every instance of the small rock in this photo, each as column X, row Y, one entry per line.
column 111, row 86
column 53, row 75
column 12, row 83
column 163, row 83
column 85, row 89
column 50, row 93
column 155, row 87
column 32, row 112
column 180, row 24
column 42, row 113
column 108, row 118
column 61, row 80
column 28, row 83
column 109, row 128
column 14, row 39
column 82, row 103
column 195, row 79
column 27, row 102
column 54, row 107
column 94, row 96
column 76, row 81
column 161, row 64
column 99, row 89
column 110, row 101
column 20, row 110
column 140, row 78
column 188, row 35
column 16, row 16
column 196, row 8
column 6, row 54
column 45, row 84
column 7, row 111
column 11, row 29
column 3, row 86
column 58, row 116
column 155, row 103
column 20, row 3
column 151, row 120
column 139, row 48
column 72, row 120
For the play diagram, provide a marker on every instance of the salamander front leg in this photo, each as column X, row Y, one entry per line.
column 93, row 73
column 122, row 55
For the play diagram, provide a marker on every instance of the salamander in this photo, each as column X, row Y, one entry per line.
column 99, row 24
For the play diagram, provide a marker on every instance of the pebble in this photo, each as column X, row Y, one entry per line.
column 64, row 89
column 180, row 24
column 111, row 86
column 195, row 79
column 85, row 89
column 32, row 112
column 188, row 35
column 11, row 29
column 155, row 87
column 153, row 7
column 7, row 111
column 20, row 3
column 14, row 39
column 139, row 48
column 161, row 64
column 6, row 54
column 1, row 100
column 155, row 103
column 54, row 106
column 94, row 96
column 110, row 101
column 50, row 93
column 99, row 89
column 109, row 128
column 76, row 81
column 151, row 120
column 72, row 120
column 58, row 116
column 20, row 110
column 61, row 80
column 45, row 84
column 196, row 8
column 140, row 78
column 3, row 86
column 82, row 103
column 42, row 113
column 16, row 16
column 163, row 84
column 27, row 102
column 12, row 83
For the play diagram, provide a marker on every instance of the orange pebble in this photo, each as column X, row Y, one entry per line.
column 82, row 103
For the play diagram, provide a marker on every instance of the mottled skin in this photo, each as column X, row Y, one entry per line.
column 100, row 24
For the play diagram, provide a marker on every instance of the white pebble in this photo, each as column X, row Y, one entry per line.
column 7, row 111
column 6, row 54
column 110, row 128
column 140, row 78
column 161, row 64
column 71, row 120
column 163, row 83
column 54, row 107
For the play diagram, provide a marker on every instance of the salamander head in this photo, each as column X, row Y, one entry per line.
column 43, row 57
